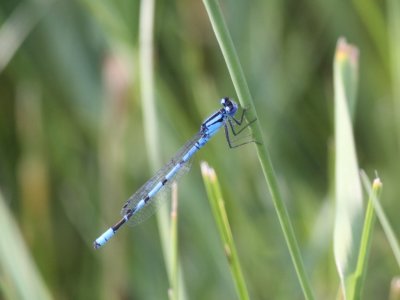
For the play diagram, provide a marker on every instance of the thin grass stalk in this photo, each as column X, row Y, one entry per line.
column 173, row 291
column 393, row 13
column 152, row 138
column 245, row 99
column 387, row 228
column 366, row 237
column 149, row 111
column 218, row 207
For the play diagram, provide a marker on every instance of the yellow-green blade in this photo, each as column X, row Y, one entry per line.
column 20, row 278
column 348, row 193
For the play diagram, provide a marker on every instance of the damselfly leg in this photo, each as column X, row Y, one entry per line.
column 233, row 128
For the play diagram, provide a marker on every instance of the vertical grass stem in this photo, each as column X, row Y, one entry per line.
column 245, row 99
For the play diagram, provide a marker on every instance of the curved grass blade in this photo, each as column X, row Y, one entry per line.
column 18, row 26
column 16, row 264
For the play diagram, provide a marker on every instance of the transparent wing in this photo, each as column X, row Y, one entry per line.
column 152, row 205
column 158, row 200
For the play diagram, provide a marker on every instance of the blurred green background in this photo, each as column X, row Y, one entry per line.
column 72, row 142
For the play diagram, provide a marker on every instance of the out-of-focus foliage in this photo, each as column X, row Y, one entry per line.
column 72, row 142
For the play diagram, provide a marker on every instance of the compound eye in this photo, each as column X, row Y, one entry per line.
column 225, row 101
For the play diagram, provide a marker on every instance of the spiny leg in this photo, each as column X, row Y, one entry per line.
column 237, row 132
column 238, row 145
column 239, row 122
column 241, row 129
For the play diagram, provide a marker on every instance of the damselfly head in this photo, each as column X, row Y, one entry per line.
column 229, row 106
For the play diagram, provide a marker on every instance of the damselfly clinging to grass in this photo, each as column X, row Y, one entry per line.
column 141, row 203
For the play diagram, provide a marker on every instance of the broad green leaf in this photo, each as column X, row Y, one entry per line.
column 348, row 193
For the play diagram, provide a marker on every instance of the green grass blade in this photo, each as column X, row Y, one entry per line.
column 393, row 13
column 147, row 88
column 151, row 125
column 16, row 265
column 18, row 26
column 149, row 112
column 387, row 228
column 348, row 193
column 245, row 99
column 218, row 207
column 366, row 238
column 374, row 22
column 173, row 291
